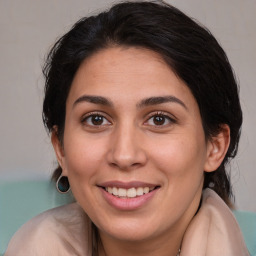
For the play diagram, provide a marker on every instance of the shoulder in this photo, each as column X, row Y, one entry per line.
column 59, row 231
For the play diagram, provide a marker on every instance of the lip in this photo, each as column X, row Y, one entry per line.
column 128, row 204
column 127, row 185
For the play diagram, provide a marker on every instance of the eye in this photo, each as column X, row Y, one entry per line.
column 95, row 120
column 160, row 119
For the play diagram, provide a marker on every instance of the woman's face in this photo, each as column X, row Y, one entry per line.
column 134, row 148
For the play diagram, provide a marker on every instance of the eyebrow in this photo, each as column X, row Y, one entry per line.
column 145, row 102
column 160, row 100
column 94, row 99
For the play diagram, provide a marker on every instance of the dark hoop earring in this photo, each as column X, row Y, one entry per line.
column 62, row 184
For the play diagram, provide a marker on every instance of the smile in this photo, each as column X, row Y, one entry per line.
column 129, row 193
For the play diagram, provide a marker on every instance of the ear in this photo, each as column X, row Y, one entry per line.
column 217, row 148
column 59, row 150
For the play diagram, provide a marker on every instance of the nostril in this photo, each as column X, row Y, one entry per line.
column 114, row 165
column 125, row 167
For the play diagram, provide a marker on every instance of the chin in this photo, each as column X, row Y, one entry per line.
column 130, row 231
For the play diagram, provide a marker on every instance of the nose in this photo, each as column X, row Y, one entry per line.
column 126, row 151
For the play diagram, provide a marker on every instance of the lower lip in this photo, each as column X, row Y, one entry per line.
column 128, row 204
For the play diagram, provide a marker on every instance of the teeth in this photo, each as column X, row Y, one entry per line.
column 122, row 192
column 139, row 191
column 131, row 192
column 115, row 192
column 145, row 190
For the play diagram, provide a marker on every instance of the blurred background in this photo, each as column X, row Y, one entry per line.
column 30, row 27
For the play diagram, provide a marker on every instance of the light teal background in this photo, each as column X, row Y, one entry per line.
column 20, row 201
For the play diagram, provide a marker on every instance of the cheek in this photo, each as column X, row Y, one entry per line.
column 83, row 156
column 181, row 162
column 84, row 160
column 185, row 173
column 179, row 155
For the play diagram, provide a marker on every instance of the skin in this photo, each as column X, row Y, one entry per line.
column 131, row 144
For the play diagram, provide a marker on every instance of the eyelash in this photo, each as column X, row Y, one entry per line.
column 161, row 114
column 164, row 115
column 85, row 118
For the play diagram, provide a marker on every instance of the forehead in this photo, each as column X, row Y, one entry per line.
column 130, row 72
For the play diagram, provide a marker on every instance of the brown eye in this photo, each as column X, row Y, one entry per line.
column 159, row 120
column 95, row 120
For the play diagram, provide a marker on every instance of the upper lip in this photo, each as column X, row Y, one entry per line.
column 127, row 185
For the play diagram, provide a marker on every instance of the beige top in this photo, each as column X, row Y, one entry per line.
column 64, row 231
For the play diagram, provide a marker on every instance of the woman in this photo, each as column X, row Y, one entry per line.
column 144, row 114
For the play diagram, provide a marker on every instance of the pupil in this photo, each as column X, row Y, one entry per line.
column 159, row 120
column 97, row 120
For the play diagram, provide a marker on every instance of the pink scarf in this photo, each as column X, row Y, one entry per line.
column 63, row 231
column 213, row 231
